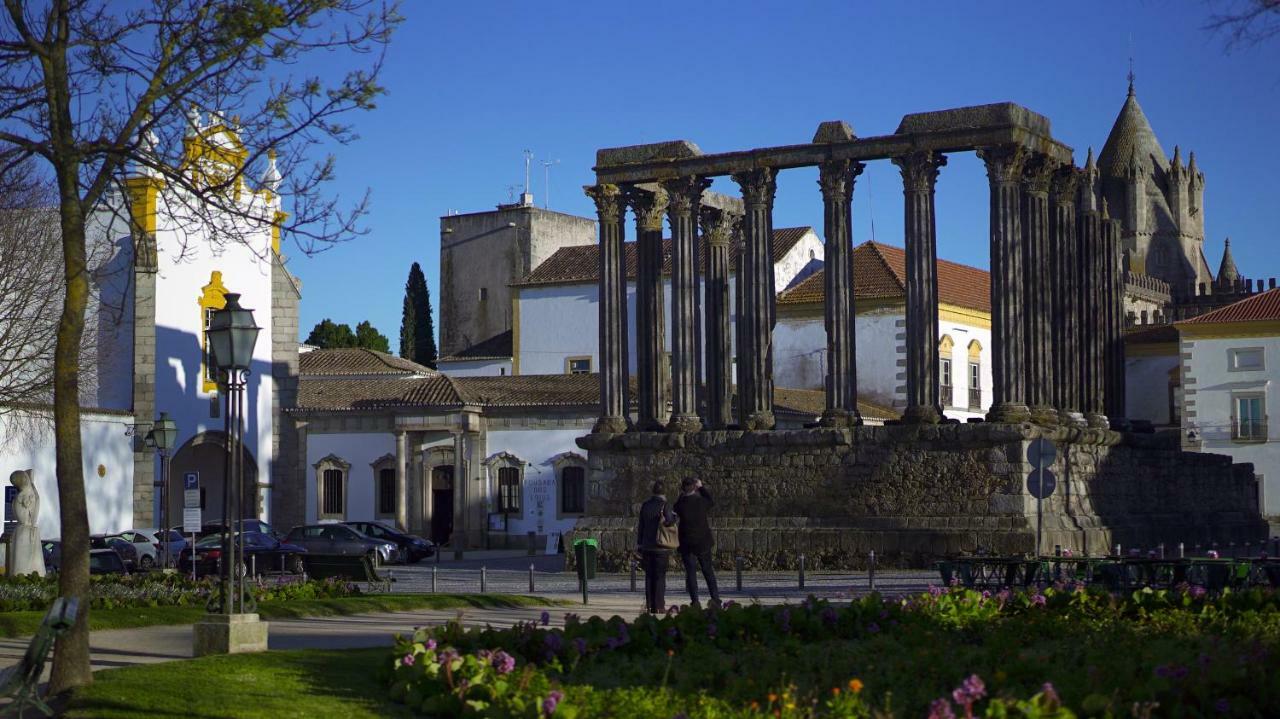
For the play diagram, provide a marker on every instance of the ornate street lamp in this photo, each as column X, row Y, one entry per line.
column 164, row 435
column 231, row 336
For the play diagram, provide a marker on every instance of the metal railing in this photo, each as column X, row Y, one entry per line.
column 975, row 398
column 1249, row 430
column 945, row 395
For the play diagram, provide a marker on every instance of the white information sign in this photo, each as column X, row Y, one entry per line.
column 191, row 520
column 553, row 543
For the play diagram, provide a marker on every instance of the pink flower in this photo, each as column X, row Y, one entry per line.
column 551, row 702
column 1213, row 554
column 1050, row 694
column 941, row 709
column 408, row 660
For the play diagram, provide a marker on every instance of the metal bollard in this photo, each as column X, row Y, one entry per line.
column 531, row 589
column 802, row 571
column 1118, row 549
column 433, row 580
column 737, row 565
column 633, row 575
column 1160, row 549
column 1182, row 551
column 253, row 565
column 871, row 571
column 482, row 580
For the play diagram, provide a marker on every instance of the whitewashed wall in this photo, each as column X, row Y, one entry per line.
column 26, row 442
column 800, row 352
column 1209, row 409
column 537, row 447
column 1146, row 388
column 803, row 259
column 962, row 334
column 475, row 368
column 361, row 449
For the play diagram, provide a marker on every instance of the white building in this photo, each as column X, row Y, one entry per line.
column 1230, row 366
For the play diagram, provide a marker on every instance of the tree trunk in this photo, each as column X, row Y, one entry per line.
column 71, row 654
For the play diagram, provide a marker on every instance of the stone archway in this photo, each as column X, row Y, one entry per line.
column 206, row 455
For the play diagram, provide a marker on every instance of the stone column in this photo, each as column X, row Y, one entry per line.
column 756, row 314
column 1037, row 174
column 1113, row 394
column 650, row 319
column 1092, row 309
column 1008, row 382
column 461, row 503
column 402, row 480
column 1064, row 255
column 836, row 178
column 717, row 234
column 613, row 309
column 919, row 175
column 684, row 197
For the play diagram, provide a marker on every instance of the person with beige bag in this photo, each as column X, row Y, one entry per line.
column 656, row 537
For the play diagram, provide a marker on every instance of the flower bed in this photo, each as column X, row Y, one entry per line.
column 1069, row 651
column 32, row 593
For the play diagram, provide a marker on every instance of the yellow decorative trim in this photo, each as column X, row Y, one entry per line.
column 212, row 297
column 975, row 350
column 1223, row 330
column 144, row 201
column 515, row 332
column 945, row 345
column 202, row 157
column 964, row 316
column 277, row 221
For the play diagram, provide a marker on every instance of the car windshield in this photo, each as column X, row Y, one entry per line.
column 173, row 536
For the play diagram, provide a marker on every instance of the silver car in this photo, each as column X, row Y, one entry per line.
column 336, row 539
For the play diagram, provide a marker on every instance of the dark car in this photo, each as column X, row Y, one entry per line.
column 412, row 549
column 128, row 553
column 250, row 525
column 262, row 553
column 106, row 561
column 52, row 550
column 334, row 539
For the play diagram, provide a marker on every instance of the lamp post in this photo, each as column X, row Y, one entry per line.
column 231, row 336
column 164, row 435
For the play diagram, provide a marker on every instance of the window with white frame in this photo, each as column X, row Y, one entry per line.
column 1249, row 420
column 1245, row 359
column 577, row 365
column 509, row 490
column 331, row 487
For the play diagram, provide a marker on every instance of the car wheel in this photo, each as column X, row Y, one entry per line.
column 147, row 563
column 296, row 565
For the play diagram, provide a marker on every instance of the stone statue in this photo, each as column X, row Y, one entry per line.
column 24, row 555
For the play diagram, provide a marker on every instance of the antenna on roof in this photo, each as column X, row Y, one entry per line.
column 546, row 182
column 525, row 197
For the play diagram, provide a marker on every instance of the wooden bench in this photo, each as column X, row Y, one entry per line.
column 22, row 680
column 359, row 569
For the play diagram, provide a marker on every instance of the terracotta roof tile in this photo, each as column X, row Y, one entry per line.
column 347, row 394
column 357, row 361
column 812, row 402
column 1264, row 306
column 496, row 347
column 880, row 271
column 581, row 263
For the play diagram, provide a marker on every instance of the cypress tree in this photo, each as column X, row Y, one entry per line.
column 417, row 330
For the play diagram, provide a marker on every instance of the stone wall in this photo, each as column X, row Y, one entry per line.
column 917, row 493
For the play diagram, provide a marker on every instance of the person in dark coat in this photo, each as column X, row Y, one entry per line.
column 654, row 559
column 696, row 541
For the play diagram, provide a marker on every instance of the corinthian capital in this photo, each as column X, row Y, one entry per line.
column 718, row 226
column 836, row 178
column 1037, row 173
column 920, row 169
column 1065, row 182
column 684, row 194
column 758, row 185
column 608, row 199
column 649, row 206
column 1004, row 162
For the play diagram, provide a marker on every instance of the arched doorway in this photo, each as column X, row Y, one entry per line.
column 206, row 455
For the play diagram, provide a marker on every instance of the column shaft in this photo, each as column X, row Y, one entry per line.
column 650, row 318
column 1114, row 351
column 402, row 481
column 1092, row 329
column 757, row 312
column 1038, row 280
column 613, row 310
column 1004, row 171
column 717, row 235
column 836, row 178
column 919, row 176
column 1065, row 312
column 684, row 196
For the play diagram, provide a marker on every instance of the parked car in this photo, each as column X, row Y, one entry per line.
column 176, row 543
column 341, row 539
column 262, row 553
column 106, row 561
column 412, row 549
column 250, row 525
column 52, row 550
column 144, row 541
column 128, row 553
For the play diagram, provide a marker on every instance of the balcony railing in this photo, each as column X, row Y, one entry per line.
column 1249, row 430
column 975, row 399
column 944, row 395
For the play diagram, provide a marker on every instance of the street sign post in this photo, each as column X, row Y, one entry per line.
column 1041, row 482
column 191, row 512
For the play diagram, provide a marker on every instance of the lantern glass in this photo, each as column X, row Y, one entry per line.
column 165, row 431
column 232, row 334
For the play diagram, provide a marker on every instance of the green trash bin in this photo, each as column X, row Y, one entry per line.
column 584, row 553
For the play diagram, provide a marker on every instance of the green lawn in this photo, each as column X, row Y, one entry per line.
column 22, row 624
column 306, row 683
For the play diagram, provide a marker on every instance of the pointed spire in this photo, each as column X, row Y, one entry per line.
column 1089, row 163
column 1191, row 164
column 1106, row 213
column 271, row 178
column 1131, row 135
column 1177, row 157
column 1227, row 272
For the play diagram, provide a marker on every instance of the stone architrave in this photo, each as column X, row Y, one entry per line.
column 1092, row 329
column 23, row 555
column 613, row 324
column 919, row 178
column 836, row 178
column 1038, row 279
column 1064, row 252
column 684, row 196
column 649, row 207
column 718, row 229
column 1008, row 295
column 756, row 314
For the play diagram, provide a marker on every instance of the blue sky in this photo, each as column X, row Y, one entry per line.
column 471, row 85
